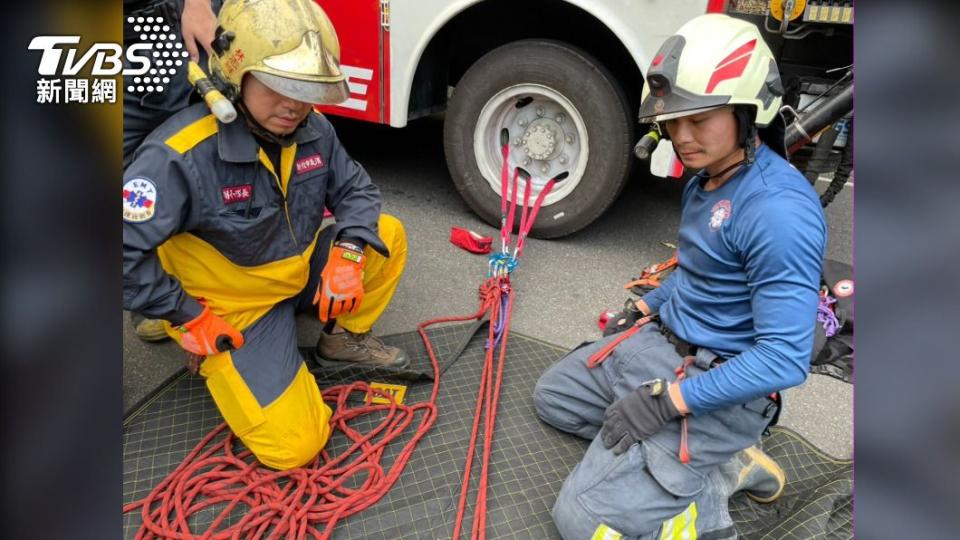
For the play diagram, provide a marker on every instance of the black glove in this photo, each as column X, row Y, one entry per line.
column 637, row 415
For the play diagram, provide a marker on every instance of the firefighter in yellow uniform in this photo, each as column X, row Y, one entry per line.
column 222, row 232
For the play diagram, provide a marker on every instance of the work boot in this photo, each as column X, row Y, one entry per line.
column 365, row 349
column 148, row 329
column 756, row 473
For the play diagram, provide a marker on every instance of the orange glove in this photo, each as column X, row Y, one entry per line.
column 341, row 282
column 208, row 334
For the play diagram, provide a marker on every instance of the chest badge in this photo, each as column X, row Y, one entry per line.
column 310, row 163
column 139, row 200
column 720, row 213
column 235, row 194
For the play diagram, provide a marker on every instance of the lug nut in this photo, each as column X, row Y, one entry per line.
column 522, row 122
column 516, row 142
column 569, row 139
column 526, row 162
column 544, row 169
column 563, row 159
column 559, row 118
column 526, row 150
column 539, row 111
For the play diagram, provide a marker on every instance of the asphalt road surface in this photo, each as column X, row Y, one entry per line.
column 562, row 285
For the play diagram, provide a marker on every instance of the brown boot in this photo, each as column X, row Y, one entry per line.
column 148, row 329
column 755, row 472
column 364, row 349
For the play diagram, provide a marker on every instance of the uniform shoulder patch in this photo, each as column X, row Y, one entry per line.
column 139, row 200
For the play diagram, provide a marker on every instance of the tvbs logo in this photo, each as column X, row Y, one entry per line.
column 147, row 65
column 107, row 58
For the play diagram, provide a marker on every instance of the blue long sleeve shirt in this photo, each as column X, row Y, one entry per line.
column 750, row 254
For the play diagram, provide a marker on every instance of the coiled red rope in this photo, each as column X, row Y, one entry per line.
column 299, row 503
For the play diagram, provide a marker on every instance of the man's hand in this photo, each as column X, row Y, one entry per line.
column 208, row 334
column 193, row 362
column 637, row 415
column 198, row 24
column 341, row 282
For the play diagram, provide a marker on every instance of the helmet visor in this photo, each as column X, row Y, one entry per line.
column 679, row 114
column 313, row 92
column 677, row 102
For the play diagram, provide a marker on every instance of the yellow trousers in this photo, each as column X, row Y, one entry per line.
column 264, row 390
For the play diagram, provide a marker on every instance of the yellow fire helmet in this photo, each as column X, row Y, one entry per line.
column 713, row 60
column 288, row 45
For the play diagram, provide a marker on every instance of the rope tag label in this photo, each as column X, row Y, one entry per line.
column 395, row 390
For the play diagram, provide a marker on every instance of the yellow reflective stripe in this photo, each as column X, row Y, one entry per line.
column 192, row 135
column 604, row 532
column 682, row 526
column 286, row 165
column 690, row 530
column 238, row 294
column 267, row 163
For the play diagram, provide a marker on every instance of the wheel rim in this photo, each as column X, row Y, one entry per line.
column 548, row 132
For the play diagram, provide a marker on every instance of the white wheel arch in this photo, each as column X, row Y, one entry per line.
column 640, row 26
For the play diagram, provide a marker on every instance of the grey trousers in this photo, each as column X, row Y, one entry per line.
column 645, row 492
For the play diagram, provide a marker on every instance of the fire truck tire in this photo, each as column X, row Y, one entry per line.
column 572, row 116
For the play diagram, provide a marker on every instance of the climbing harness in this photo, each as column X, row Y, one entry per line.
column 681, row 372
column 652, row 276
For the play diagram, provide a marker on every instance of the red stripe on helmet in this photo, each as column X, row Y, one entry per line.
column 741, row 50
column 716, row 6
column 732, row 65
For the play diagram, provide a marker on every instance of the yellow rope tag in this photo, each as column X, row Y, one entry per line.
column 395, row 390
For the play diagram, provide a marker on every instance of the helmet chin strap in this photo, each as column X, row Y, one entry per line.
column 708, row 176
column 264, row 133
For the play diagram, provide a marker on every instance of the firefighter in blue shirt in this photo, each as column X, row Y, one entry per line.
column 666, row 454
column 222, row 235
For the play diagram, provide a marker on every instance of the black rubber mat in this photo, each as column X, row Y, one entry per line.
column 528, row 465
column 816, row 503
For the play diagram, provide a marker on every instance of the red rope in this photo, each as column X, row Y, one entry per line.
column 293, row 503
column 480, row 514
column 490, row 293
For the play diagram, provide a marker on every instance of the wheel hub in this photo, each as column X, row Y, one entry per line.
column 542, row 140
column 560, row 143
